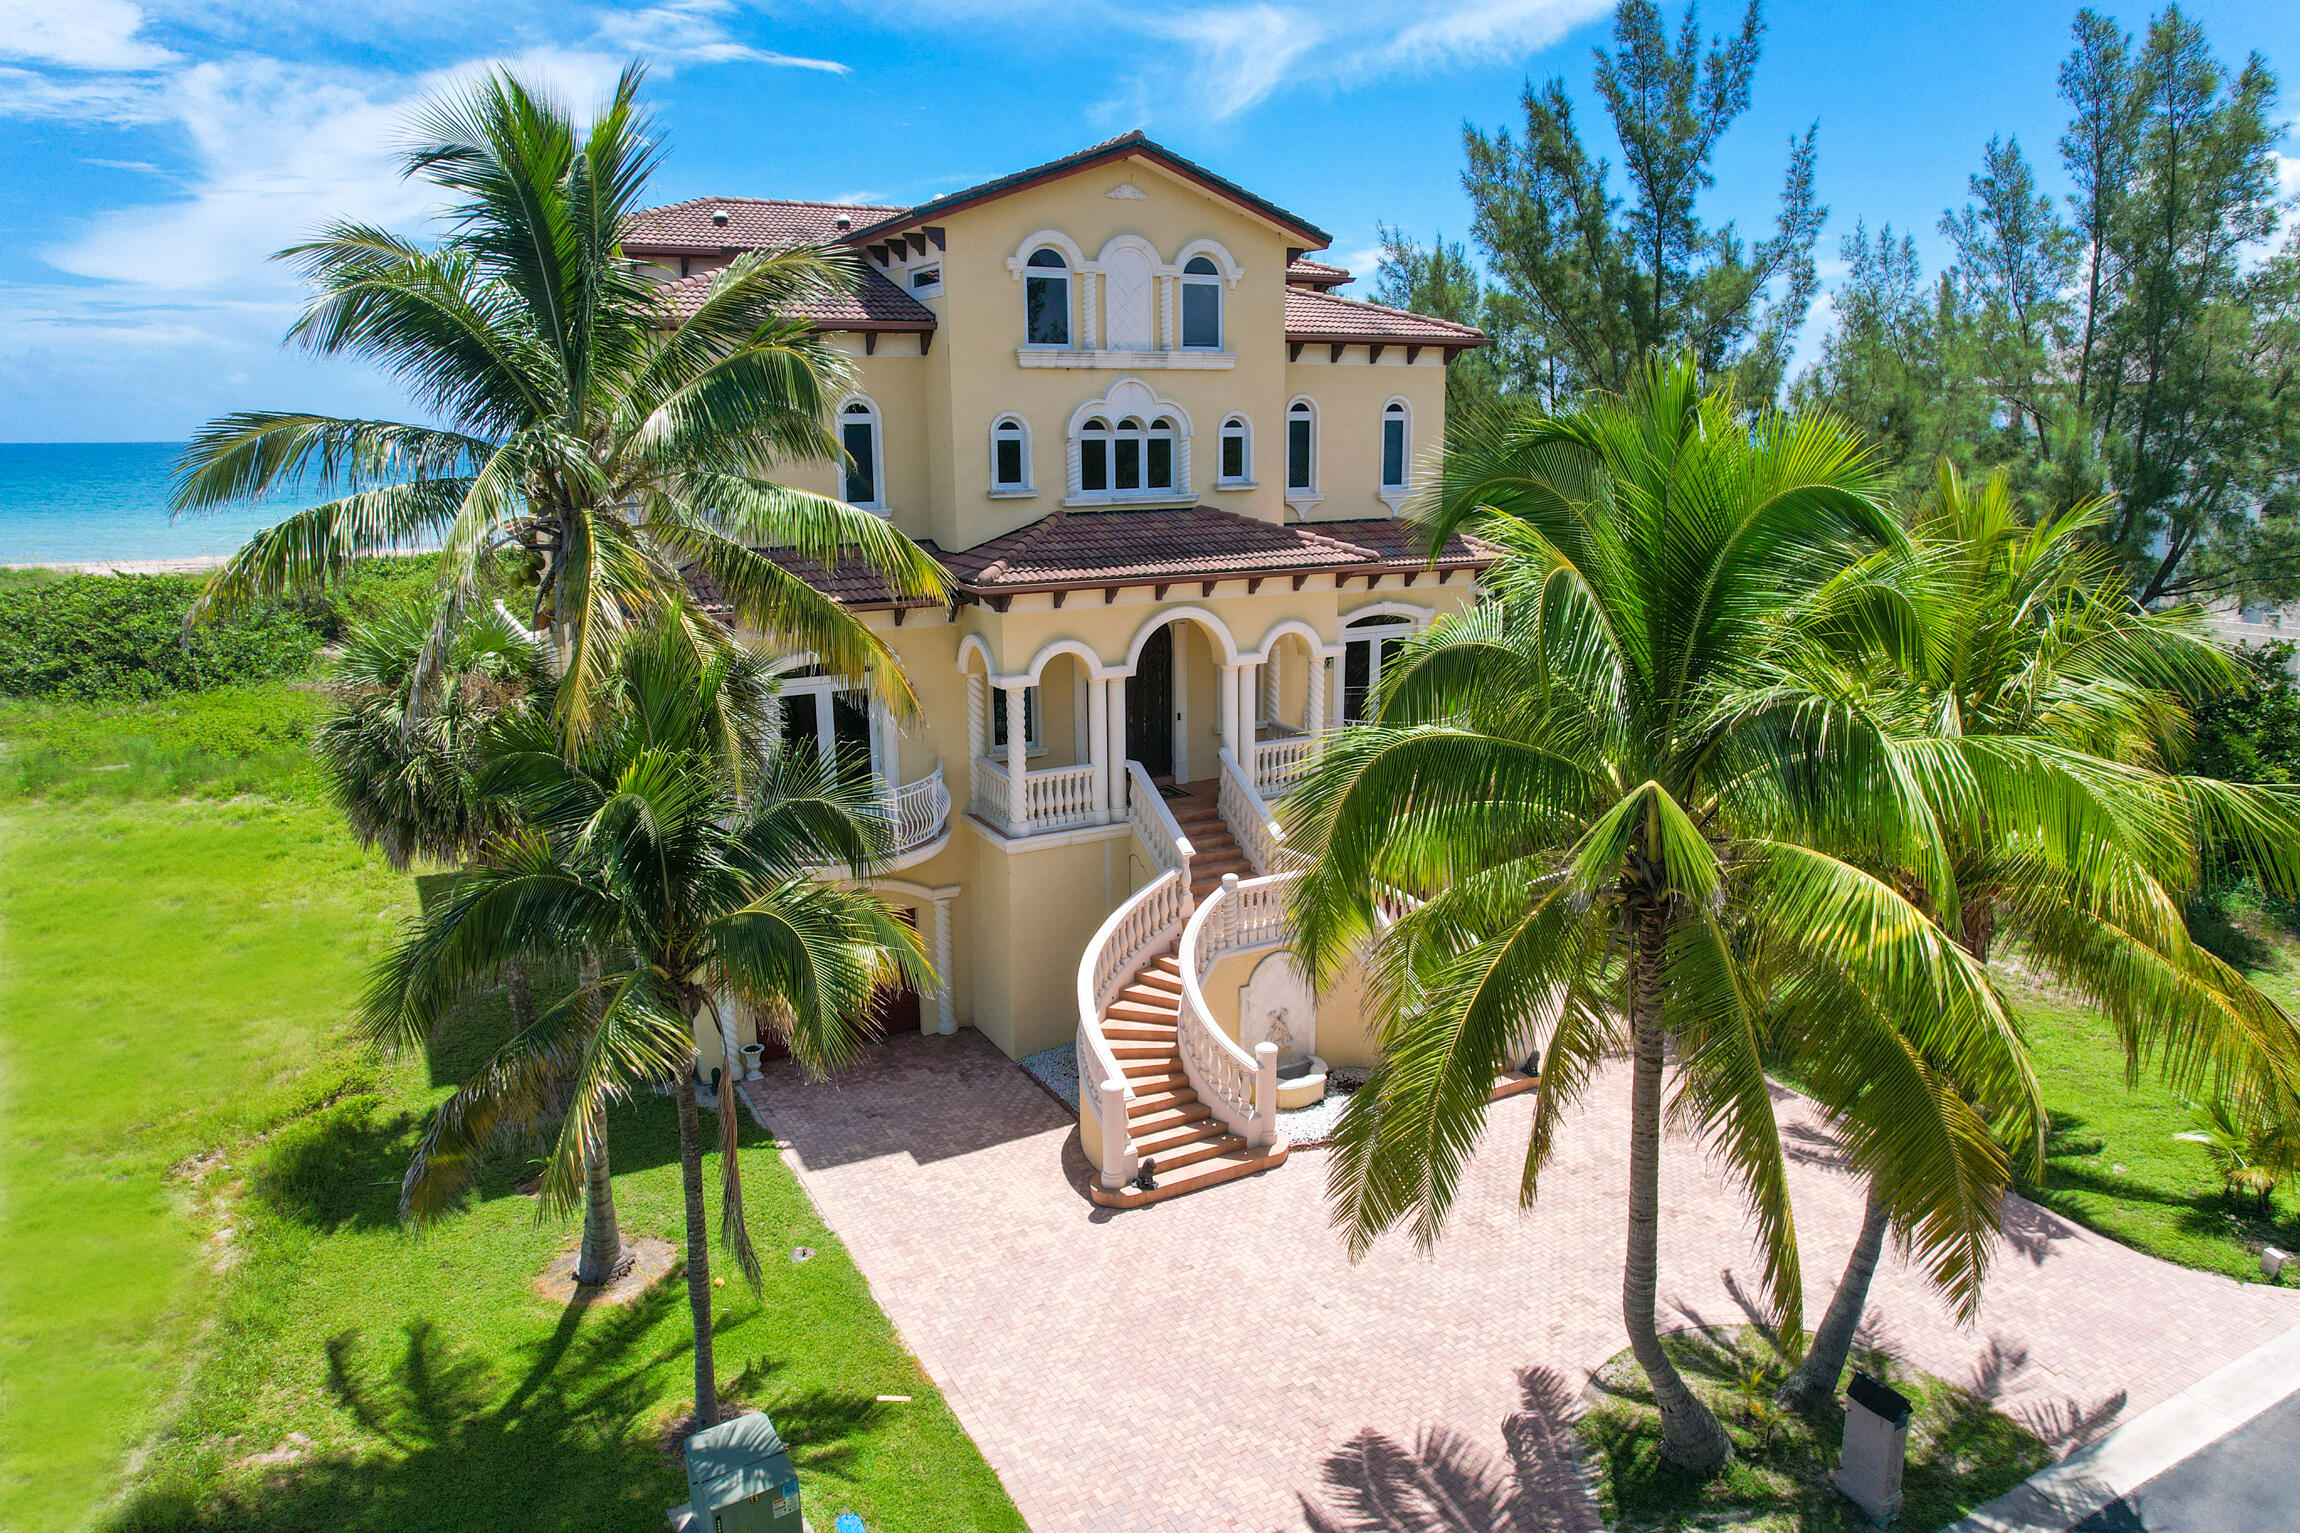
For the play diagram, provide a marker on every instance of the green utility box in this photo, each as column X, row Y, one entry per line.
column 739, row 1479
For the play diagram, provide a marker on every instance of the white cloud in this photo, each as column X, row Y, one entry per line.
column 115, row 98
column 1234, row 57
column 78, row 34
column 694, row 31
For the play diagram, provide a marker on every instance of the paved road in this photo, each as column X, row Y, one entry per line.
column 2244, row 1483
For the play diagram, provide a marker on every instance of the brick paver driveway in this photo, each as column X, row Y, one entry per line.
column 1216, row 1362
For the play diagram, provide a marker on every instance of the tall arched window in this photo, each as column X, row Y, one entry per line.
column 1395, row 457
column 1301, row 446
column 1368, row 644
column 1237, row 460
column 1158, row 467
column 1094, row 457
column 866, row 462
column 1201, row 304
column 1010, row 454
column 1046, row 298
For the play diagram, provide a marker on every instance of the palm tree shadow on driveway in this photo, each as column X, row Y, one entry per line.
column 1442, row 1483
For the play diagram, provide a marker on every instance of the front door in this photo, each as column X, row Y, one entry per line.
column 894, row 1009
column 1150, row 706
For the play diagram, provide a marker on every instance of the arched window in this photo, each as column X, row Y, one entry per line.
column 1094, row 457
column 1237, row 461
column 1046, row 298
column 866, row 461
column 1158, row 471
column 1010, row 454
column 1395, row 457
column 1367, row 645
column 1126, row 455
column 1201, row 304
column 1301, row 446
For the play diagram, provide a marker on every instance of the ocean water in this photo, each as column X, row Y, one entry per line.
column 86, row 502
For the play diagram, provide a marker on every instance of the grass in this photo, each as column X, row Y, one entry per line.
column 220, row 744
column 2112, row 1163
column 1960, row 1453
column 200, row 1176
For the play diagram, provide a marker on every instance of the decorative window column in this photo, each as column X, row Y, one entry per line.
column 1314, row 714
column 1017, row 751
column 977, row 715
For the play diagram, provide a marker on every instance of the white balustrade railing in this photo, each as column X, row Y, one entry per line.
column 1155, row 823
column 920, row 811
column 1239, row 1088
column 1056, row 798
column 1144, row 924
column 1279, row 764
column 1250, row 821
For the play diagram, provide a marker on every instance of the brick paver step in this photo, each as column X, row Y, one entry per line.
column 1191, row 1154
column 1163, row 982
column 1151, row 1104
column 1125, row 1051
column 1183, row 1138
column 1140, row 1032
column 1139, row 1011
column 1189, row 1112
column 1147, row 993
column 1170, row 1077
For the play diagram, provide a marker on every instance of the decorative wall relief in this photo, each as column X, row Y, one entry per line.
column 1275, row 1006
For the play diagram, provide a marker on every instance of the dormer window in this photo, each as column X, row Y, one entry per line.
column 1046, row 298
column 926, row 281
column 1201, row 304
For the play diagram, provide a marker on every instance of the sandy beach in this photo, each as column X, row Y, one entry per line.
column 194, row 566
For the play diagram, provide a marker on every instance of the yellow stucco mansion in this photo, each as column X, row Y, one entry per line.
column 1164, row 462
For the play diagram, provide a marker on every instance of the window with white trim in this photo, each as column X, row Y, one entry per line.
column 1129, row 460
column 926, row 281
column 1394, row 446
column 1236, row 462
column 1009, row 455
column 1301, row 446
column 1046, row 298
column 860, row 438
column 1201, row 304
column 1367, row 645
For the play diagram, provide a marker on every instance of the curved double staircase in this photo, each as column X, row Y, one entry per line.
column 1190, row 1109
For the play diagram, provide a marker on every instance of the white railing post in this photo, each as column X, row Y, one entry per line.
column 1265, row 1092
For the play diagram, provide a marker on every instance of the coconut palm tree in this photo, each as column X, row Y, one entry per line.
column 1578, row 814
column 2026, row 642
column 682, row 888
column 612, row 442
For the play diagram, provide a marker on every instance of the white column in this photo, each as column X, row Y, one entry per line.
column 1098, row 741
column 826, row 737
column 1229, row 715
column 1017, row 747
column 1120, row 782
column 946, row 993
column 1249, row 694
column 1314, row 720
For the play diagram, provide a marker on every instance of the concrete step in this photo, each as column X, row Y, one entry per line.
column 1183, row 1138
column 1169, row 1077
column 1140, row 1011
column 1126, row 1051
column 1188, row 1112
column 1148, row 993
column 1164, row 982
column 1205, row 1149
column 1138, row 1032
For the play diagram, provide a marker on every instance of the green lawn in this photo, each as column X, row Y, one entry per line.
column 199, row 1179
column 2113, row 1164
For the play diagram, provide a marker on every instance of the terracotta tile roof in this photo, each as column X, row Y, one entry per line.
column 753, row 223
column 1318, row 274
column 877, row 305
column 1136, row 142
column 1323, row 317
column 1186, row 543
column 1069, row 550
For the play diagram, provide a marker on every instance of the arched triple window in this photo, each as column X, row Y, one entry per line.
column 1127, row 461
column 1201, row 304
column 1046, row 298
column 1301, row 448
column 860, row 437
column 1236, row 463
column 1009, row 455
column 1396, row 447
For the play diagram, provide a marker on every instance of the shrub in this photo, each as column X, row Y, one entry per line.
column 123, row 636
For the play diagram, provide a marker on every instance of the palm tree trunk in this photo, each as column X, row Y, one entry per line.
column 1814, row 1384
column 601, row 1259
column 698, row 1251
column 1691, row 1436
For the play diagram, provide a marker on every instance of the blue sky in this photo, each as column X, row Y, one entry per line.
column 152, row 155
